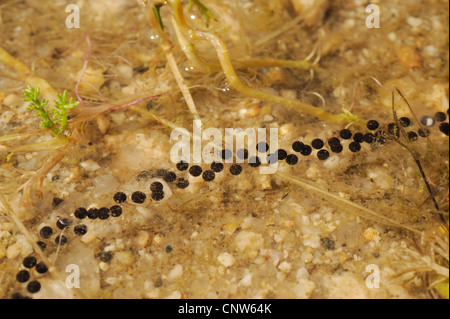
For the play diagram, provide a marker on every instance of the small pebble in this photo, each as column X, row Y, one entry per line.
column 11, row 100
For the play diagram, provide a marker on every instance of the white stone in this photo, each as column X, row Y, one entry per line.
column 302, row 273
column 103, row 266
column 118, row 117
column 125, row 70
column 414, row 22
column 11, row 100
column 332, row 162
column 13, row 251
column 176, row 272
column 431, row 50
column 307, row 257
column 226, row 259
column 248, row 241
column 246, row 281
column 392, row 37
column 285, row 267
column 90, row 165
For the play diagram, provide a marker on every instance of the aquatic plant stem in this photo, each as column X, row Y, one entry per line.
column 235, row 81
column 167, row 49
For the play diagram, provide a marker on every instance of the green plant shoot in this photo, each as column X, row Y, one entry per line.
column 32, row 95
column 61, row 108
column 59, row 112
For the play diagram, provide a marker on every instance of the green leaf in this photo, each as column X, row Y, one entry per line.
column 156, row 11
